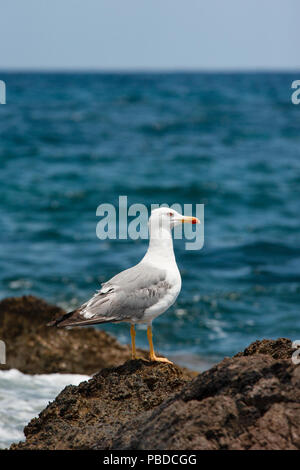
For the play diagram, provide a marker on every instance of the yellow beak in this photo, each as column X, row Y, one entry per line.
column 190, row 220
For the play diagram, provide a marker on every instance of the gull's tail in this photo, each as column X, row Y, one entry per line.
column 75, row 318
column 91, row 313
column 64, row 318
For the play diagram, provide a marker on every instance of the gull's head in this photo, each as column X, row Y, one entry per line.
column 166, row 218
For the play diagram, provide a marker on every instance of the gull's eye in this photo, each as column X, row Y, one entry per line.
column 170, row 214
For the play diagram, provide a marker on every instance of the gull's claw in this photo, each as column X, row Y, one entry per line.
column 160, row 359
column 139, row 358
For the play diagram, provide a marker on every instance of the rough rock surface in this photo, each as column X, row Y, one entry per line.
column 251, row 401
column 278, row 349
column 34, row 348
column 88, row 415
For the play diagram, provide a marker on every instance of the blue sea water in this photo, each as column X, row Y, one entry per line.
column 69, row 142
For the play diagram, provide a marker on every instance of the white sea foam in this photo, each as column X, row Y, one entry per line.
column 22, row 397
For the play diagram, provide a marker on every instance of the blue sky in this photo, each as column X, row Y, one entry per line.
column 149, row 34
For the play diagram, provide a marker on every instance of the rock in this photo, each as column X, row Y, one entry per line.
column 242, row 403
column 90, row 415
column 34, row 348
column 279, row 349
column 250, row 401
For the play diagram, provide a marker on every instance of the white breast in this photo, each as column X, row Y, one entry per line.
column 174, row 280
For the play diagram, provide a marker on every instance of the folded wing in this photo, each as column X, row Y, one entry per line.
column 126, row 295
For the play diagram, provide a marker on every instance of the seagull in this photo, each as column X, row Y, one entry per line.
column 141, row 293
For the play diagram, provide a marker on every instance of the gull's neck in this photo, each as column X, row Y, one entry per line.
column 160, row 251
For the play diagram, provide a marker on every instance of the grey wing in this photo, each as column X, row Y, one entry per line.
column 126, row 295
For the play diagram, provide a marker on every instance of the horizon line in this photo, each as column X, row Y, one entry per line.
column 148, row 70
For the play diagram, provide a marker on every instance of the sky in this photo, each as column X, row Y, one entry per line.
column 149, row 34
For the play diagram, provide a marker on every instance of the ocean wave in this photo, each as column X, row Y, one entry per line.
column 22, row 397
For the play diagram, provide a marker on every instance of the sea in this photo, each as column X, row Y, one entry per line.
column 70, row 142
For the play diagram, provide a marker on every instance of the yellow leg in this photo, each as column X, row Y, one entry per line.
column 152, row 353
column 133, row 350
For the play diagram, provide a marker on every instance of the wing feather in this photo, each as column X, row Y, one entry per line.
column 126, row 295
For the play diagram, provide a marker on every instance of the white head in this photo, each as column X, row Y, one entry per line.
column 165, row 218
